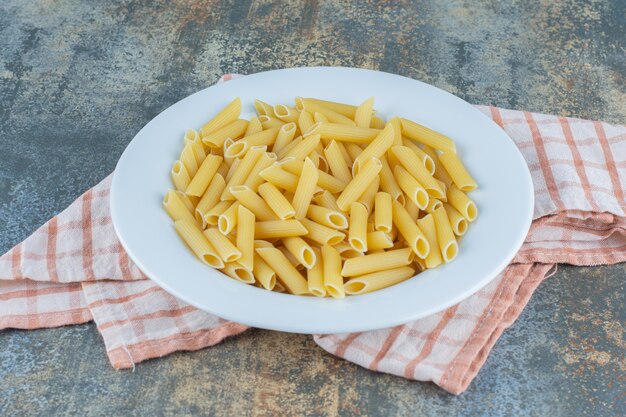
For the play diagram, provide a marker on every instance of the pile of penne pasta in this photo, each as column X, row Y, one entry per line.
column 322, row 198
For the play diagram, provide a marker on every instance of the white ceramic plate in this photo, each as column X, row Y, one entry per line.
column 504, row 199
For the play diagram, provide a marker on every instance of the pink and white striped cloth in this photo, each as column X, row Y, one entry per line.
column 74, row 270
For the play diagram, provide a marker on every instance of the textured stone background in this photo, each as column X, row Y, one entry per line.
column 79, row 79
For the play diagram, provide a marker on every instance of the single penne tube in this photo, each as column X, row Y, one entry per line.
column 190, row 201
column 458, row 223
column 240, row 147
column 233, row 130
column 286, row 114
column 383, row 212
column 412, row 209
column 245, row 237
column 427, row 136
column 277, row 201
column 264, row 109
column 224, row 247
column 233, row 168
column 453, row 165
column 280, row 178
column 263, row 273
column 336, row 162
column 287, row 273
column 346, row 251
column 282, row 153
column 320, row 118
column 327, row 217
column 227, row 221
column 238, row 272
column 462, row 203
column 445, row 236
column 411, row 187
column 176, row 208
column 305, row 189
column 433, row 204
column 397, row 131
column 330, row 114
column 378, row 240
column 304, row 148
column 204, row 175
column 254, row 180
column 331, row 265
column 325, row 181
column 428, row 162
column 198, row 243
column 251, row 200
column 180, row 176
column 285, row 135
column 353, row 151
column 440, row 172
column 188, row 158
column 359, row 183
column 368, row 264
column 347, row 110
column 315, row 276
column 292, row 259
column 377, row 123
column 210, row 198
column 344, row 133
column 254, row 126
column 269, row 122
column 357, row 232
column 376, row 149
column 229, row 114
column 427, row 226
column 322, row 234
column 192, row 137
column 327, row 200
column 377, row 280
column 212, row 215
column 412, row 234
column 412, row 164
column 279, row 229
column 243, row 170
column 388, row 182
column 229, row 159
column 363, row 114
column 368, row 196
column 305, row 121
column 301, row 250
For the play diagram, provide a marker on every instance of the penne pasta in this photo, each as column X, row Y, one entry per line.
column 254, row 179
column 233, row 130
column 330, row 114
column 229, row 114
column 285, row 135
column 180, row 176
column 353, row 151
column 327, row 217
column 337, row 162
column 377, row 280
column 212, row 216
column 254, row 126
column 359, row 183
column 344, row 133
column 224, row 247
column 368, row 264
column 440, row 172
column 388, row 182
column 462, row 203
column 347, row 110
column 227, row 221
column 379, row 240
column 300, row 250
column 458, row 223
column 331, row 264
column 243, row 170
column 412, row 209
column 315, row 276
column 199, row 183
column 198, row 243
column 445, row 236
column 176, row 208
column 368, row 196
column 279, row 228
column 305, row 121
column 251, row 200
column 427, row 226
column 263, row 109
column 305, row 188
column 263, row 273
column 192, row 137
column 411, row 187
column 325, row 181
column 376, row 149
column 286, row 114
column 240, row 147
column 455, row 168
column 304, row 148
column 357, row 233
column 269, row 122
column 412, row 234
column 416, row 168
column 383, row 212
column 238, row 272
column 321, row 234
column 277, row 201
column 287, row 273
column 190, row 201
column 245, row 238
column 428, row 162
column 320, row 118
column 233, row 168
column 433, row 204
column 188, row 158
column 346, row 251
column 326, row 199
column 363, row 114
column 428, row 137
column 377, row 123
column 280, row 178
column 210, row 198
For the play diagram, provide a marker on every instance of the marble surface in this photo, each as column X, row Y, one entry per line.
column 79, row 79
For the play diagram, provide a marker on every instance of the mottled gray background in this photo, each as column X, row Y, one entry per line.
column 79, row 79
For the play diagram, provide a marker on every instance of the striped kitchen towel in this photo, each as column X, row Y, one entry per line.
column 74, row 270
